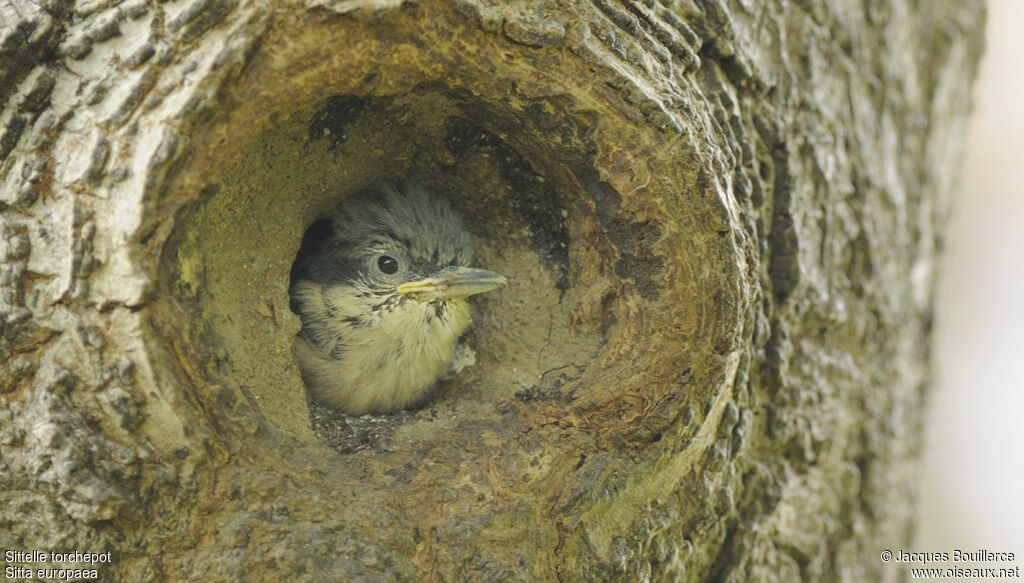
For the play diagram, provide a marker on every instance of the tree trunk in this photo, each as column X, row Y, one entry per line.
column 719, row 221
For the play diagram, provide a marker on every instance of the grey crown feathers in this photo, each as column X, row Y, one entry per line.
column 381, row 286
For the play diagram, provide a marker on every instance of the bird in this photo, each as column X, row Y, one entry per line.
column 381, row 286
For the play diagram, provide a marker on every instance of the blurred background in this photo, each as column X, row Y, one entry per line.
column 973, row 495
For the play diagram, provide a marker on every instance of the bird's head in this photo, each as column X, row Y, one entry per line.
column 392, row 245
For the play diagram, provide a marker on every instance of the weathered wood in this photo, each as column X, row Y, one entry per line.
column 719, row 221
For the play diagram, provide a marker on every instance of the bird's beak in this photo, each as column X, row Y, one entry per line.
column 462, row 282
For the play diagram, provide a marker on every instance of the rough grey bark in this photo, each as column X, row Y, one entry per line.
column 720, row 221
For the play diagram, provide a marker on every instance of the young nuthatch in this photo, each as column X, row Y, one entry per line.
column 381, row 288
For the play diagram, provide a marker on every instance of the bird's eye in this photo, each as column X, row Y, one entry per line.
column 387, row 264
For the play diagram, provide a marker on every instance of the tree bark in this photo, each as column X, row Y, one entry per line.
column 720, row 222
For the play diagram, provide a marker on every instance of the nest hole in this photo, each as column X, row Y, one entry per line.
column 234, row 247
